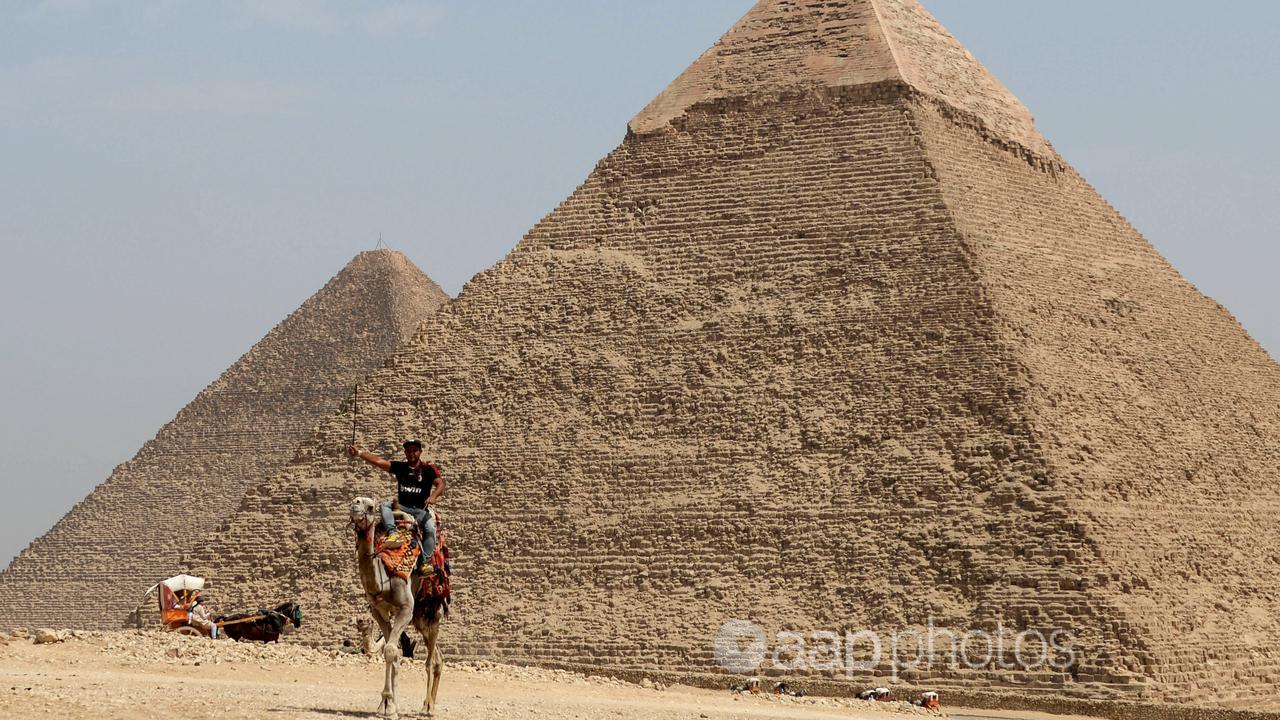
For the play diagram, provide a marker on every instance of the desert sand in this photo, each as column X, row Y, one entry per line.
column 134, row 675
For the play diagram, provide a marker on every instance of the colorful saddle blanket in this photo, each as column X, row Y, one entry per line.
column 434, row 571
column 399, row 551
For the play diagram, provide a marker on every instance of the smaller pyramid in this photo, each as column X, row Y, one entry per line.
column 141, row 524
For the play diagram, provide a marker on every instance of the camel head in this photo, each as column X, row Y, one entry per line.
column 364, row 513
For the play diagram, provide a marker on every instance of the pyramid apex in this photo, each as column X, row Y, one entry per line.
column 790, row 45
column 396, row 269
column 378, row 253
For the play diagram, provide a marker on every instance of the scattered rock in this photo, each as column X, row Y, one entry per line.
column 45, row 635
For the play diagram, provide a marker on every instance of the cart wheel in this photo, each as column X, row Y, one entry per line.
column 189, row 631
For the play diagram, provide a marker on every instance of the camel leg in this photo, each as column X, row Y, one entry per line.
column 401, row 601
column 435, row 670
column 430, row 629
column 384, row 625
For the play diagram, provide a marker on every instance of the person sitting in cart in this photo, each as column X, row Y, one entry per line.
column 419, row 485
column 201, row 618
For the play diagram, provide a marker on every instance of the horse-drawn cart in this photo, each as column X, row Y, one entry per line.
column 178, row 596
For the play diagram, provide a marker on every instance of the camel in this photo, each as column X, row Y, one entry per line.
column 392, row 606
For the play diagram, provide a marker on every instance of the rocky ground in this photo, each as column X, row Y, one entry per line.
column 138, row 674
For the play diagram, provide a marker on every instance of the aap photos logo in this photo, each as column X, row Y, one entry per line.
column 743, row 647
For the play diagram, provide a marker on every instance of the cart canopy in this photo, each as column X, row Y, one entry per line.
column 181, row 582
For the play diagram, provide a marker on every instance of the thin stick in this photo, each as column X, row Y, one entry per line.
column 355, row 411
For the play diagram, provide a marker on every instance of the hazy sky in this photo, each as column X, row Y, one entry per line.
column 177, row 176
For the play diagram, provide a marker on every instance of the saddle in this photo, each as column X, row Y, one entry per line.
column 399, row 549
column 406, row 529
column 404, row 518
column 401, row 552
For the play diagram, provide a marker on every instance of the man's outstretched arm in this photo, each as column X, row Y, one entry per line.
column 374, row 460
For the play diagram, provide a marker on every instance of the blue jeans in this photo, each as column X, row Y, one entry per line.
column 422, row 515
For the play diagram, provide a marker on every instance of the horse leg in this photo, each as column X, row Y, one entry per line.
column 430, row 629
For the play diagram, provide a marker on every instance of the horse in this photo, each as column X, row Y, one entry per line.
column 261, row 625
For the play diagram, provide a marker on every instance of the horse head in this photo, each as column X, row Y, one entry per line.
column 291, row 611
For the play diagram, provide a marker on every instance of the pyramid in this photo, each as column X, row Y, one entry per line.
column 141, row 524
column 833, row 341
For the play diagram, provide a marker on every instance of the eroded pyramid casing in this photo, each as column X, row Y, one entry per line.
column 833, row 341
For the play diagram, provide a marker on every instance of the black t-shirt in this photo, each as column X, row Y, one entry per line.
column 414, row 483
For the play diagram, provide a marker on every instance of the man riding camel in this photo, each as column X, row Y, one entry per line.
column 419, row 486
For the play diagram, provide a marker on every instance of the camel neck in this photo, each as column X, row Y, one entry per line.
column 366, row 560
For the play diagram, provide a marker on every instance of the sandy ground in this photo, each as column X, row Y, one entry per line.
column 161, row 675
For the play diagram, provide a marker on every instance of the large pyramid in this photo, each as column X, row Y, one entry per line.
column 141, row 524
column 834, row 340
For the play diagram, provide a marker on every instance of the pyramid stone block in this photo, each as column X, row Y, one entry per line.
column 833, row 341
column 143, row 522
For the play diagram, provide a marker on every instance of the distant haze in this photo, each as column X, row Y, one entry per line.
column 176, row 177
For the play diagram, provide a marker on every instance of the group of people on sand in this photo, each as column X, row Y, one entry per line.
column 419, row 485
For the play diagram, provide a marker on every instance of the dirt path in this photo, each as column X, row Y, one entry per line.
column 129, row 676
